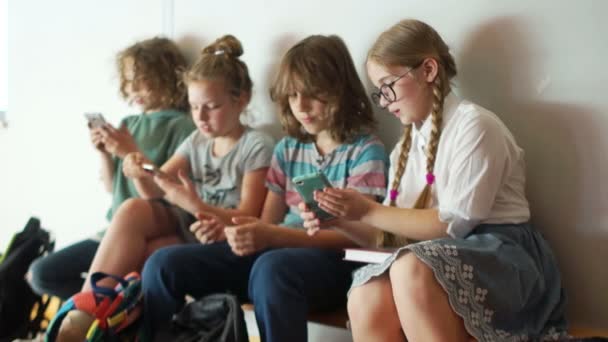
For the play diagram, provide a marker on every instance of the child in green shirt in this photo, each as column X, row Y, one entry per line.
column 149, row 79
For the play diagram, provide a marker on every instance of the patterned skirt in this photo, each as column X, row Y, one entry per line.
column 502, row 280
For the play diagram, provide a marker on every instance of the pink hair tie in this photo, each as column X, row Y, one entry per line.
column 430, row 178
column 393, row 194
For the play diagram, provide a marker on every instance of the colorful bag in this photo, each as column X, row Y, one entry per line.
column 114, row 309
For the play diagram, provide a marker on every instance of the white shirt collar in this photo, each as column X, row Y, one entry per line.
column 420, row 136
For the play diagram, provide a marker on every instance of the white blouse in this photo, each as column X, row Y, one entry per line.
column 479, row 170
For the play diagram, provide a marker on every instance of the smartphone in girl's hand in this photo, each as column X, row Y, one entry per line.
column 306, row 186
column 150, row 168
column 95, row 119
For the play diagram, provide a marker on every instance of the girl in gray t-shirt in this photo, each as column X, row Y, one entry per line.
column 218, row 180
column 219, row 170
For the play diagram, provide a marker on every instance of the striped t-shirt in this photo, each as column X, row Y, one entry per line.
column 360, row 165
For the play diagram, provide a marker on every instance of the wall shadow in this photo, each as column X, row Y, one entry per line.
column 501, row 68
column 191, row 46
column 277, row 49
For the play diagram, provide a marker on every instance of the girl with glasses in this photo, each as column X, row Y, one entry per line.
column 466, row 262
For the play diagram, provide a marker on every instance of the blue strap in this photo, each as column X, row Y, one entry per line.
column 53, row 328
column 106, row 291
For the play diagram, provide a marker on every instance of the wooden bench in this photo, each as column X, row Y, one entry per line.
column 582, row 332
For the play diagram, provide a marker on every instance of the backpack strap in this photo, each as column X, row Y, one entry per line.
column 103, row 290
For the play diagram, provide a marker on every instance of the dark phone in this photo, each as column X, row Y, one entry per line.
column 306, row 185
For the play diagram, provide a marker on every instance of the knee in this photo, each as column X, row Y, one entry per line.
column 413, row 279
column 269, row 278
column 132, row 205
column 157, row 264
column 37, row 276
column 130, row 208
column 372, row 305
column 361, row 309
column 42, row 275
column 160, row 276
column 127, row 213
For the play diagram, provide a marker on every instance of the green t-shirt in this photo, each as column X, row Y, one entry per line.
column 157, row 135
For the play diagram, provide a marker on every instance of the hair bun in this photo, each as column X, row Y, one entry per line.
column 227, row 45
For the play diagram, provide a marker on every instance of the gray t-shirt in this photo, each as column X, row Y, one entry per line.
column 218, row 180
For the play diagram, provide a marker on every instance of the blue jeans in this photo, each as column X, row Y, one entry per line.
column 60, row 273
column 284, row 284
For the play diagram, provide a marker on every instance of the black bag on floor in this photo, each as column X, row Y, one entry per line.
column 16, row 297
column 214, row 318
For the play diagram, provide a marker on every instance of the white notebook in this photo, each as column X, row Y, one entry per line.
column 366, row 255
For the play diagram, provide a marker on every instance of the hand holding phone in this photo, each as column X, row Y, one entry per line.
column 151, row 169
column 95, row 119
column 306, row 185
column 156, row 171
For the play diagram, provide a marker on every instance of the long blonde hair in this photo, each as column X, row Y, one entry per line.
column 407, row 44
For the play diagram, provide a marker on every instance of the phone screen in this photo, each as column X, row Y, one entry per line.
column 95, row 119
column 306, row 186
column 149, row 168
column 155, row 171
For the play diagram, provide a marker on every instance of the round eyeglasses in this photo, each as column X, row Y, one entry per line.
column 387, row 92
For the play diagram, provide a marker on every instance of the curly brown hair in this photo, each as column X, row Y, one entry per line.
column 159, row 63
column 321, row 67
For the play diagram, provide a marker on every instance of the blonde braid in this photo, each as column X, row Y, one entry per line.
column 388, row 239
column 431, row 151
column 402, row 161
column 391, row 240
column 437, row 119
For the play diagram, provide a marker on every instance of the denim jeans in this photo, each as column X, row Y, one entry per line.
column 283, row 284
column 60, row 273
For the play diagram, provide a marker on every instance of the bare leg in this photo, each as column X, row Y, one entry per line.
column 136, row 228
column 372, row 312
column 422, row 304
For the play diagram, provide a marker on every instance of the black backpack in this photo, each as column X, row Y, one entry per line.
column 16, row 297
column 213, row 318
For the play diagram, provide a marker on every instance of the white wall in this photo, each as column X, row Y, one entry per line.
column 61, row 64
column 3, row 55
column 539, row 65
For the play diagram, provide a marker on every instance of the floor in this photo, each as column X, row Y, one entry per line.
column 316, row 332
